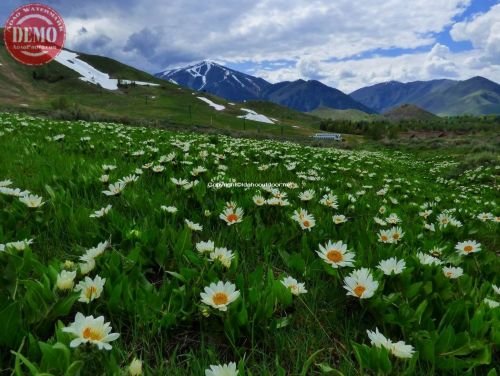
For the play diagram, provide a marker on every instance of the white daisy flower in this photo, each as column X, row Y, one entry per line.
column 468, row 247
column 339, row 218
column 101, row 212
column 306, row 195
column 452, row 272
column 402, row 350
column 97, row 250
column 66, row 280
column 20, row 245
column 158, row 168
column 91, row 330
column 115, row 189
column 385, row 236
column 169, row 209
column 426, row 259
column 393, row 219
column 329, row 200
column 87, row 265
column 193, row 226
column 305, row 220
column 336, row 254
column 259, row 200
column 491, row 303
column 222, row 370
column 294, row 286
column 232, row 216
column 223, row 255
column 396, row 234
column 90, row 289
column 32, row 201
column 377, row 339
column 135, row 367
column 392, row 266
column 360, row 284
column 104, row 178
column 379, row 221
column 219, row 295
column 205, row 247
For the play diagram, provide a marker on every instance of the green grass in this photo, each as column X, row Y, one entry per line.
column 154, row 274
column 350, row 115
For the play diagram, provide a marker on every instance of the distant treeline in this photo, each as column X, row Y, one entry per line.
column 378, row 129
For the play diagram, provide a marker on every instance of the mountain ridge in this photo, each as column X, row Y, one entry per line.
column 300, row 95
column 475, row 96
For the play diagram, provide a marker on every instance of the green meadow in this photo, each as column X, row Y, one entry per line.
column 128, row 250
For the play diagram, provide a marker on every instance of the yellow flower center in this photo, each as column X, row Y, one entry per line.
column 468, row 248
column 395, row 236
column 306, row 223
column 232, row 217
column 449, row 274
column 92, row 290
column 92, row 334
column 220, row 298
column 334, row 256
column 384, row 238
column 359, row 290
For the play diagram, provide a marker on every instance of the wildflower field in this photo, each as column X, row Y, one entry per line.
column 121, row 255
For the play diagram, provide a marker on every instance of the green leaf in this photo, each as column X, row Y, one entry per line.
column 309, row 362
column 20, row 359
column 420, row 310
column 50, row 191
column 56, row 357
column 325, row 368
column 11, row 325
column 492, row 372
column 446, row 340
column 63, row 306
column 74, row 369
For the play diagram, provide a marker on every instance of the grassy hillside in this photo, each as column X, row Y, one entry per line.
column 409, row 112
column 57, row 90
column 350, row 115
column 118, row 70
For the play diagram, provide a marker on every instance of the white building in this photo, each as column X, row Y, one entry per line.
column 328, row 136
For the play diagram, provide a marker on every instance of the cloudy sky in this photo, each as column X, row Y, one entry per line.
column 344, row 43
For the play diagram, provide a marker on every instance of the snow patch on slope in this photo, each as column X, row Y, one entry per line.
column 252, row 115
column 88, row 72
column 218, row 107
column 92, row 75
column 140, row 83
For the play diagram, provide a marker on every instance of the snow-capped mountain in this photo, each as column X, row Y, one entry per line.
column 236, row 86
column 218, row 80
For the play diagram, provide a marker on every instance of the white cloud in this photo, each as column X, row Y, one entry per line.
column 262, row 30
column 327, row 40
column 438, row 62
column 483, row 31
column 350, row 75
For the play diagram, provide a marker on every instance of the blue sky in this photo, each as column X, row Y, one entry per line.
column 346, row 44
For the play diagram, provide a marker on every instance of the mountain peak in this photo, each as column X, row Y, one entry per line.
column 480, row 80
column 207, row 75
